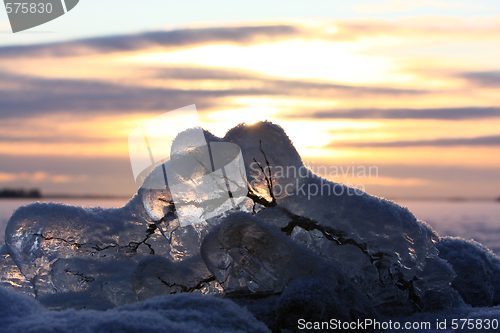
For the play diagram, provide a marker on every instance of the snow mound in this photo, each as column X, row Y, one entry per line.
column 176, row 313
column 477, row 269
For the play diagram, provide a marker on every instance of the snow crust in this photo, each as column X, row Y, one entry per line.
column 477, row 269
column 176, row 313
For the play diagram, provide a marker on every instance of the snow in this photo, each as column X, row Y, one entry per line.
column 477, row 269
column 292, row 246
column 175, row 313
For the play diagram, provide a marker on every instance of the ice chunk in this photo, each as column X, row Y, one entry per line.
column 157, row 275
column 345, row 225
column 106, row 280
column 307, row 228
column 60, row 253
column 201, row 180
column 64, row 249
column 274, row 263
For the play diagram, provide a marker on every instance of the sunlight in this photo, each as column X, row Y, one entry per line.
column 319, row 132
column 298, row 58
column 219, row 122
column 286, row 102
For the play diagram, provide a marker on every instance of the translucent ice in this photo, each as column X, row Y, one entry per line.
column 11, row 276
column 380, row 245
column 64, row 249
column 203, row 179
column 362, row 254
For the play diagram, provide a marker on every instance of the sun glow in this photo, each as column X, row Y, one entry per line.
column 298, row 58
column 219, row 122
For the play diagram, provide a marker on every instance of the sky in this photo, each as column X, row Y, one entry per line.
column 406, row 88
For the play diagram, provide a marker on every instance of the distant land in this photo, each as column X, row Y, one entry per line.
column 20, row 193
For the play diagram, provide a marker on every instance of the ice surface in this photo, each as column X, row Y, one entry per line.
column 286, row 243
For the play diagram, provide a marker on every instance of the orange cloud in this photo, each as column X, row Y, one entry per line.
column 41, row 177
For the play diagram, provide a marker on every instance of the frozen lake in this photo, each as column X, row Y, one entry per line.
column 478, row 220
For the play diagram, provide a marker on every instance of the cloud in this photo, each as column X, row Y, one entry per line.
column 484, row 79
column 41, row 96
column 36, row 96
column 201, row 73
column 275, row 85
column 429, row 173
column 166, row 39
column 4, row 25
column 411, row 5
column 431, row 113
column 67, row 165
column 479, row 141
column 383, row 181
column 108, row 175
column 344, row 30
column 40, row 177
column 416, row 30
column 54, row 138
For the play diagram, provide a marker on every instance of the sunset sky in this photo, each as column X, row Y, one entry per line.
column 411, row 87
